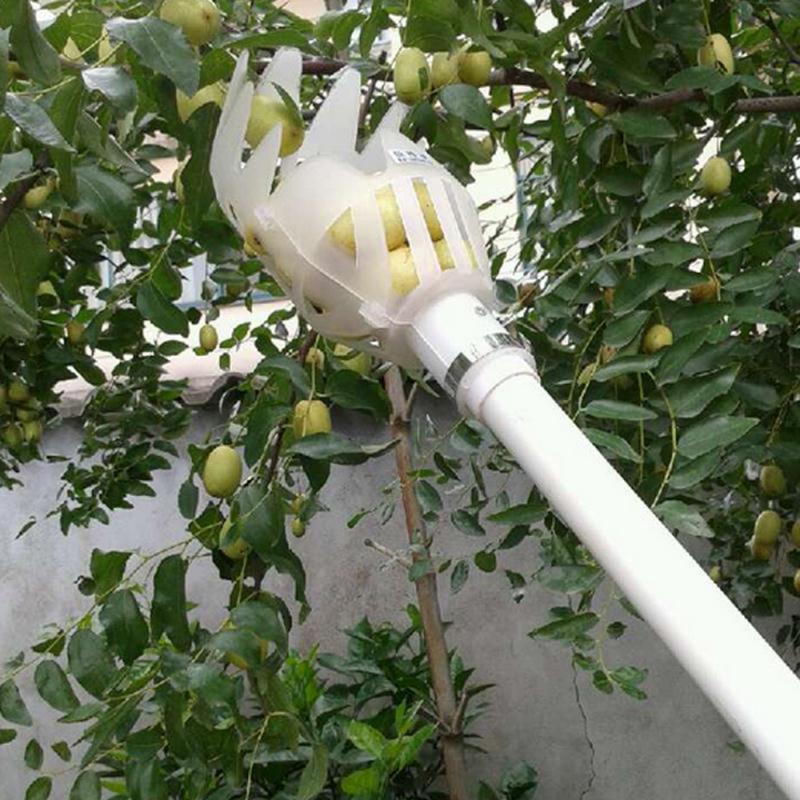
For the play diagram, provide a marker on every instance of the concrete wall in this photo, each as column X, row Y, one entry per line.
column 669, row 746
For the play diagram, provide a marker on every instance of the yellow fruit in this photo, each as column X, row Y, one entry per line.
column 18, row 392
column 715, row 177
column 231, row 544
column 597, row 108
column 412, row 77
column 310, row 417
column 445, row 257
column 297, row 503
column 796, row 581
column 27, row 414
column 316, row 358
column 198, row 19
column 767, row 527
column 213, row 93
column 32, row 430
column 208, row 338
column 36, row 197
column 656, row 338
column 759, row 550
column 75, row 331
column 475, row 68
column 265, row 114
column 12, row 435
column 715, row 573
column 428, row 211
column 706, row 292
column 298, row 527
column 716, row 52
column 222, row 471
column 444, row 69
column 402, row 270
column 772, row 481
column 72, row 51
column 795, row 533
column 45, row 289
column 353, row 359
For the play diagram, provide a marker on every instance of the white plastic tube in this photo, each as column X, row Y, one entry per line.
column 737, row 669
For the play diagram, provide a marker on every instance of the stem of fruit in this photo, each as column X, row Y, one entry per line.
column 427, row 596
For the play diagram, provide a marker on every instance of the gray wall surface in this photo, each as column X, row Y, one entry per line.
column 672, row 745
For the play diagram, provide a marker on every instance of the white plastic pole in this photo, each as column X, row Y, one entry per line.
column 737, row 669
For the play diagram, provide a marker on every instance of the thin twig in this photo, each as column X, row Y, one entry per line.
column 766, row 19
column 389, row 553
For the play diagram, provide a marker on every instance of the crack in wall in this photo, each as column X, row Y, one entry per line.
column 592, row 753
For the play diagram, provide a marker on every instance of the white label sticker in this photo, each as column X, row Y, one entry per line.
column 409, row 157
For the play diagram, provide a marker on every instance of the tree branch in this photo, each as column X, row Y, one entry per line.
column 427, row 596
column 766, row 19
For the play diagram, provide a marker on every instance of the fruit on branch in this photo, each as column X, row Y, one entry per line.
column 316, row 358
column 444, row 69
column 198, row 19
column 772, row 481
column 213, row 93
column 353, row 359
column 44, row 291
column 715, row 573
column 715, row 177
column 656, row 338
column 32, row 430
column 222, row 471
column 75, row 331
column 34, row 198
column 795, row 533
column 796, row 581
column 297, row 503
column 343, row 233
column 230, row 543
column 475, row 68
column 487, row 146
column 716, row 52
column 12, row 435
column 27, row 413
column 310, row 417
column 767, row 527
column 759, row 550
column 18, row 392
column 298, row 527
column 208, row 338
column 705, row 292
column 265, row 114
column 402, row 270
column 597, row 108
column 412, row 77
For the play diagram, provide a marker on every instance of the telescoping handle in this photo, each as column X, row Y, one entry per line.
column 465, row 348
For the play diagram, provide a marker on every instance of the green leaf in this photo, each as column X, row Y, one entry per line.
column 126, row 628
column 363, row 782
column 612, row 444
column 643, row 125
column 567, row 629
column 622, row 331
column 188, row 495
column 337, row 449
column 485, row 560
column 13, row 165
column 24, row 261
column 690, row 397
column 672, row 254
column 522, row 514
column 145, row 780
column 168, row 610
column 61, row 749
column 468, row 103
column 366, row 738
column 467, row 523
column 89, row 662
column 429, row 499
column 638, row 288
column 713, row 434
column 571, row 578
column 107, row 570
column 261, row 519
column 114, row 83
column 162, row 47
column 154, row 306
column 676, row 356
column 7, row 735
column 106, row 198
column 659, row 177
column 197, row 173
column 12, row 707
column 86, row 787
column 33, row 119
column 315, row 774
column 683, row 518
column 347, row 389
column 53, row 686
column 459, row 575
column 734, row 239
column 39, row 789
column 659, row 202
column 617, row 409
column 34, row 755
column 624, row 365
column 36, row 56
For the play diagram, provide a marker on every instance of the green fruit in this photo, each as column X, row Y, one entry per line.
column 760, row 550
column 198, row 19
column 795, row 533
column 715, row 573
column 208, row 338
column 231, row 544
column 75, row 331
column 487, row 146
column 796, row 581
column 475, row 68
column 297, row 503
column 265, row 114
column 412, row 78
column 316, row 358
column 310, row 417
column 716, row 52
column 213, row 93
column 222, row 471
column 12, row 435
column 32, row 430
column 656, row 338
column 353, row 359
column 444, row 69
column 45, row 292
column 36, row 197
column 27, row 414
column 15, row 71
column 772, row 481
column 715, row 177
column 298, row 527
column 767, row 528
column 18, row 392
